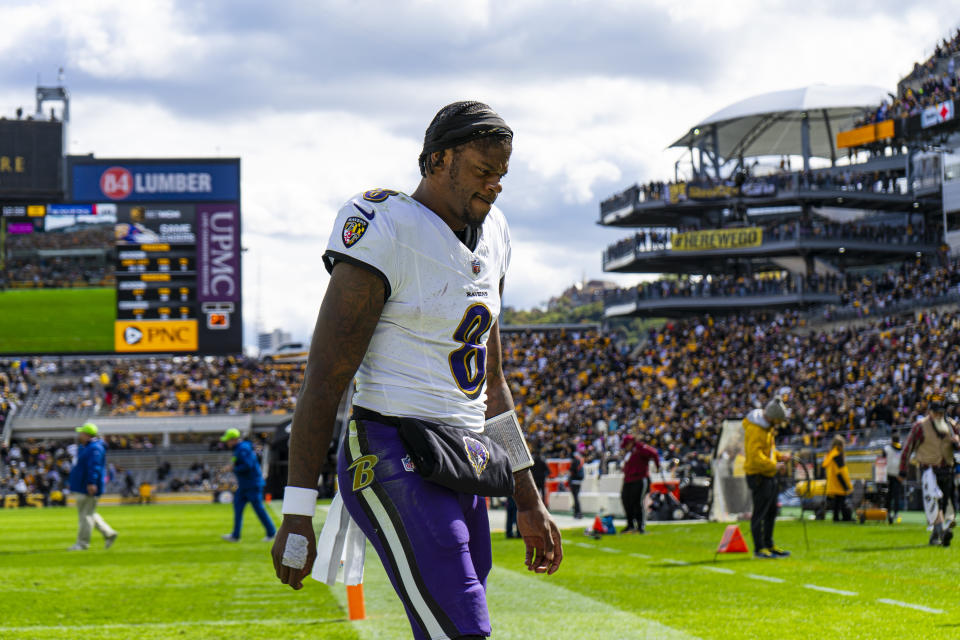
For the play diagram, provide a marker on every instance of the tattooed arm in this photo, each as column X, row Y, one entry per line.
column 544, row 550
column 348, row 316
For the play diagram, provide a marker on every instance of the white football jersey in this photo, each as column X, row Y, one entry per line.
column 427, row 358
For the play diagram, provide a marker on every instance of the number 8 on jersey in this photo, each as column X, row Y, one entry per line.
column 468, row 364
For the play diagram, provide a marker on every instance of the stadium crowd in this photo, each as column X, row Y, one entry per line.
column 199, row 386
column 782, row 179
column 865, row 294
column 60, row 265
column 944, row 49
column 929, row 83
column 180, row 385
column 87, row 237
column 42, row 466
column 583, row 391
column 56, row 272
column 738, row 286
column 34, row 467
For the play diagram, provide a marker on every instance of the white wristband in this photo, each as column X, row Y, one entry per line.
column 298, row 501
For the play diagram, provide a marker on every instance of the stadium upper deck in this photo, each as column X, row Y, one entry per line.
column 735, row 218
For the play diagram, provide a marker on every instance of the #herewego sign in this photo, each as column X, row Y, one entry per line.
column 717, row 239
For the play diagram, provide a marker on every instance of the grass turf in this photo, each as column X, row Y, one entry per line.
column 57, row 320
column 169, row 575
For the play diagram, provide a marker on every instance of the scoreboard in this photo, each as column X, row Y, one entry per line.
column 147, row 288
column 132, row 255
column 177, row 243
column 156, row 260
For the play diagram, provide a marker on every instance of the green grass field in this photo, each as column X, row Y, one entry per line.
column 57, row 320
column 170, row 576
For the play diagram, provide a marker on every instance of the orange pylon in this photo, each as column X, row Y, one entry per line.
column 355, row 606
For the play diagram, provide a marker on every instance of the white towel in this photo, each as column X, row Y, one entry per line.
column 341, row 548
column 931, row 496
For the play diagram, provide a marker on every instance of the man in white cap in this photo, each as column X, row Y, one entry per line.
column 761, row 466
column 86, row 483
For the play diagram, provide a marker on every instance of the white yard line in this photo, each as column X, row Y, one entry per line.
column 642, row 556
column 282, row 599
column 609, row 549
column 164, row 625
column 676, row 562
column 839, row 592
column 728, row 572
column 757, row 576
column 918, row 607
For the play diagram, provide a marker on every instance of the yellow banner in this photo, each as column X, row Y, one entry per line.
column 718, row 239
column 865, row 134
column 155, row 335
column 711, row 192
column 693, row 191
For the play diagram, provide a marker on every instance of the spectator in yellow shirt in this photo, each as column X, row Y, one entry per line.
column 838, row 481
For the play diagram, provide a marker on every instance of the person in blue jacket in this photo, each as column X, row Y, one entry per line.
column 86, row 482
column 249, row 486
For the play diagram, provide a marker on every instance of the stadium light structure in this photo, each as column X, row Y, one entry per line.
column 61, row 95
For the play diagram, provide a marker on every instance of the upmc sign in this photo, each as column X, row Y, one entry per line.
column 218, row 253
column 154, row 181
column 219, row 285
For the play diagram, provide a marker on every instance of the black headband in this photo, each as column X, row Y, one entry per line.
column 459, row 129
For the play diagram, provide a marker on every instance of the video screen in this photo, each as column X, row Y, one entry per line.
column 58, row 282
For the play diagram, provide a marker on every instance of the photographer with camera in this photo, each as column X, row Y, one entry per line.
column 762, row 465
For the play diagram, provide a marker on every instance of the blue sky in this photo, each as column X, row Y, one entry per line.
column 323, row 99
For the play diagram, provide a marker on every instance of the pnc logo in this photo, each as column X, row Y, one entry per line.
column 155, row 335
column 116, row 183
column 132, row 335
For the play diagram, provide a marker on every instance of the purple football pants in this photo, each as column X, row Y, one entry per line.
column 433, row 542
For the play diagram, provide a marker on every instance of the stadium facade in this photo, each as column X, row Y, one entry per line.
column 744, row 229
